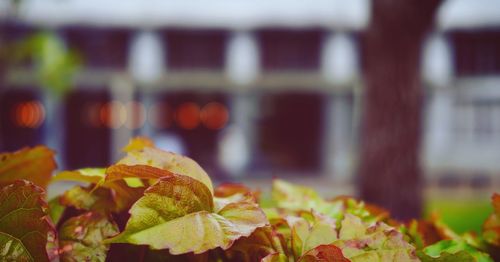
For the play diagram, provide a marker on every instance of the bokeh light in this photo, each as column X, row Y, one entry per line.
column 214, row 115
column 188, row 115
column 113, row 114
column 29, row 114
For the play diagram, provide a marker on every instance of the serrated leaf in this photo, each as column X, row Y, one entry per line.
column 168, row 161
column 453, row 250
column 118, row 172
column 35, row 164
column 177, row 213
column 24, row 226
column 81, row 238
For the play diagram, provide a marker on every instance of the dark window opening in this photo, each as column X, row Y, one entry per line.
column 104, row 48
column 204, row 49
column 290, row 49
column 22, row 116
column 477, row 53
column 87, row 137
column 290, row 133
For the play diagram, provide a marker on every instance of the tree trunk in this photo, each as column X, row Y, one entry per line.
column 389, row 171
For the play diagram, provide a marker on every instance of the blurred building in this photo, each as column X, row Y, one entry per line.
column 248, row 88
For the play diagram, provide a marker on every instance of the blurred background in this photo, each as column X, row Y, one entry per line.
column 396, row 102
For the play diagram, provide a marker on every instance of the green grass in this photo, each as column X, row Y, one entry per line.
column 461, row 216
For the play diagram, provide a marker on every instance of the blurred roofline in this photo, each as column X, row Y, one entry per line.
column 467, row 14
column 230, row 14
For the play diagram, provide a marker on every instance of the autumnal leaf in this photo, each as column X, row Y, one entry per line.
column 229, row 189
column 378, row 242
column 491, row 227
column 324, row 253
column 169, row 161
column 98, row 200
column 24, row 225
column 118, row 172
column 310, row 230
column 263, row 242
column 177, row 213
column 81, row 238
column 85, row 175
column 125, row 195
column 299, row 198
column 453, row 250
column 35, row 164
column 424, row 233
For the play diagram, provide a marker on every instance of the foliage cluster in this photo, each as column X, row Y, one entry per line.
column 154, row 205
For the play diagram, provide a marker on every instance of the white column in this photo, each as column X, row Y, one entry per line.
column 339, row 59
column 146, row 64
column 340, row 67
column 54, row 117
column 437, row 70
column 122, row 92
column 242, row 68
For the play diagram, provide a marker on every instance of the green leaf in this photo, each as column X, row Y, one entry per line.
column 56, row 210
column 299, row 198
column 453, row 250
column 178, row 213
column 34, row 164
column 169, row 161
column 24, row 225
column 310, row 230
column 360, row 241
column 294, row 197
column 81, row 238
column 276, row 257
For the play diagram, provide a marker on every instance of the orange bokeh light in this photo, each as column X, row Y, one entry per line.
column 188, row 115
column 214, row 115
column 113, row 114
column 29, row 114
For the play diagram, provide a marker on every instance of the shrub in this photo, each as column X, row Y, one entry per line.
column 154, row 205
